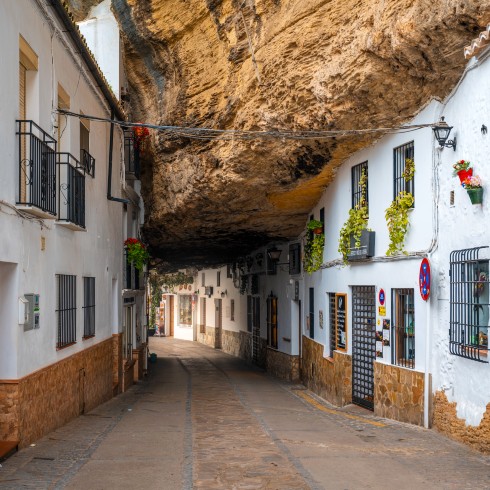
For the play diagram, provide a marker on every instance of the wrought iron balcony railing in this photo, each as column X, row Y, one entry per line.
column 88, row 162
column 132, row 276
column 71, row 196
column 131, row 156
column 37, row 167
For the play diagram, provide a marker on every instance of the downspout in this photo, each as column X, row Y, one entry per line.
column 109, row 174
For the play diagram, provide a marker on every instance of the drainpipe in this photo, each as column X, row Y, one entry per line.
column 109, row 175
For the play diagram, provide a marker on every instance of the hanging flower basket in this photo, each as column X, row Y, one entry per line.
column 464, row 174
column 137, row 254
column 476, row 195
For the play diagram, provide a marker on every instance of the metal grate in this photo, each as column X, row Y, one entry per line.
column 71, row 198
column 88, row 162
column 357, row 193
column 88, row 307
column 66, row 310
column 469, row 304
column 400, row 156
column 403, row 327
column 131, row 155
column 363, row 345
column 331, row 314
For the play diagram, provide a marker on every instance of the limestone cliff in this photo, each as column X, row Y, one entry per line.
column 319, row 64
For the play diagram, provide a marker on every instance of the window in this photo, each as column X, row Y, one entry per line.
column 400, row 156
column 229, row 271
column 66, row 310
column 311, row 317
column 254, row 286
column 185, row 309
column 253, row 313
column 203, row 279
column 232, row 310
column 128, row 331
column 88, row 307
column 295, row 258
column 358, row 194
column 332, row 320
column 218, row 279
column 403, row 327
column 203, row 316
column 469, row 304
column 86, row 159
column 272, row 321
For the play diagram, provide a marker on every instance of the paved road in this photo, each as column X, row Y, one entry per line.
column 206, row 420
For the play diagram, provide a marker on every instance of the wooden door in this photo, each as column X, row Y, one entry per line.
column 171, row 315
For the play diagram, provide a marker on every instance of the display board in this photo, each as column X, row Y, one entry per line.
column 341, row 320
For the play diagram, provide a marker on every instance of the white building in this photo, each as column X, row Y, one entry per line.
column 61, row 252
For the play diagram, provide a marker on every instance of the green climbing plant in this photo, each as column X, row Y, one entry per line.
column 397, row 214
column 313, row 251
column 356, row 222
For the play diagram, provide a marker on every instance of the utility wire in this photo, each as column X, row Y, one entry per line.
column 238, row 134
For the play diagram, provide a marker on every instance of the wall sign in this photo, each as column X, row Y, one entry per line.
column 424, row 279
column 341, row 320
column 381, row 297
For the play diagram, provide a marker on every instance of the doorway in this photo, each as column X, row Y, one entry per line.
column 218, row 322
column 171, row 316
column 363, row 345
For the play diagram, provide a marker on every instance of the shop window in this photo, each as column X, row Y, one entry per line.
column 400, row 156
column 88, row 307
column 202, row 326
column 469, row 304
column 272, row 321
column 66, row 310
column 403, row 327
column 359, row 195
column 185, row 309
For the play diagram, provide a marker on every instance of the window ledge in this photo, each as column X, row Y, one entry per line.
column 65, row 346
column 34, row 211
column 86, row 337
column 70, row 226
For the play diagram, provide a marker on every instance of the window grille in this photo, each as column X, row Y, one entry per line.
column 272, row 321
column 218, row 279
column 66, row 310
column 400, row 156
column 403, row 327
column 469, row 304
column 249, row 313
column 203, row 316
column 203, row 279
column 232, row 310
column 88, row 307
column 331, row 314
column 295, row 258
column 357, row 193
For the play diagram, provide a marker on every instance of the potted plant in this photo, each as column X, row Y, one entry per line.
column 315, row 226
column 473, row 186
column 463, row 170
column 137, row 254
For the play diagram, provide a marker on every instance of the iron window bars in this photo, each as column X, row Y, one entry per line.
column 469, row 304
column 71, row 198
column 66, row 310
column 400, row 156
column 88, row 307
column 272, row 321
column 294, row 259
column 357, row 193
column 132, row 275
column 403, row 328
column 131, row 155
column 37, row 167
column 88, row 162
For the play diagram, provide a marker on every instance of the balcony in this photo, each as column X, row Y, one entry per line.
column 71, row 196
column 131, row 157
column 37, row 170
column 88, row 162
column 131, row 275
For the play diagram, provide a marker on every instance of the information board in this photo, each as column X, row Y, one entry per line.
column 341, row 320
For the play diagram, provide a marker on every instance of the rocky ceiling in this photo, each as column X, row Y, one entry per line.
column 319, row 64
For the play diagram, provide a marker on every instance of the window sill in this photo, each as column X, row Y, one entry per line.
column 35, row 211
column 70, row 226
column 86, row 337
column 65, row 346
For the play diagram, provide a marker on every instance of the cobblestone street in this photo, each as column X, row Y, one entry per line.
column 206, row 420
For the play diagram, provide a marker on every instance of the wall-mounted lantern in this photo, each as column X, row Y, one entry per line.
column 441, row 132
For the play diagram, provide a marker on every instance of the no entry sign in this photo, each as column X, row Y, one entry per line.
column 424, row 279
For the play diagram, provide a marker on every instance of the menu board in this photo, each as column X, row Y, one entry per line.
column 341, row 320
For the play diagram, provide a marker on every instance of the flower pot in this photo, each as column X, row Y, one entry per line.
column 476, row 195
column 464, row 174
column 318, row 231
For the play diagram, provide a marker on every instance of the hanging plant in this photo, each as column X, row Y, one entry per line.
column 396, row 214
column 140, row 138
column 137, row 255
column 313, row 251
column 356, row 222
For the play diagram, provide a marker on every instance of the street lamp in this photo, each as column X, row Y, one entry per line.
column 441, row 132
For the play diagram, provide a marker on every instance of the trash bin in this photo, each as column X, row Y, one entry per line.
column 153, row 357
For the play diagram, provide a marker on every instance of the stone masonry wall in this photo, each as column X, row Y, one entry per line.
column 445, row 420
column 208, row 337
column 399, row 393
column 329, row 378
column 283, row 366
column 237, row 344
column 50, row 397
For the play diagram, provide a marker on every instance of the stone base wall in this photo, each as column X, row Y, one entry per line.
column 207, row 338
column 237, row 344
column 398, row 393
column 445, row 420
column 128, row 374
column 139, row 362
column 282, row 365
column 50, row 397
column 329, row 378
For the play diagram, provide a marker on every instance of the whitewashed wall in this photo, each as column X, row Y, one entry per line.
column 96, row 252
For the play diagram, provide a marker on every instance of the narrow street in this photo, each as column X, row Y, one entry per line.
column 203, row 419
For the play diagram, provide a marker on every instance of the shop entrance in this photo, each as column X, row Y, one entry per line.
column 363, row 345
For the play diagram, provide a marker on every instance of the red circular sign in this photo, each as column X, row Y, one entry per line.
column 424, row 279
column 381, row 297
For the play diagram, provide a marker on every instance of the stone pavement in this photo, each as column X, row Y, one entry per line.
column 206, row 420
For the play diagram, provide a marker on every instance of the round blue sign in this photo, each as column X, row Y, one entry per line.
column 381, row 297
